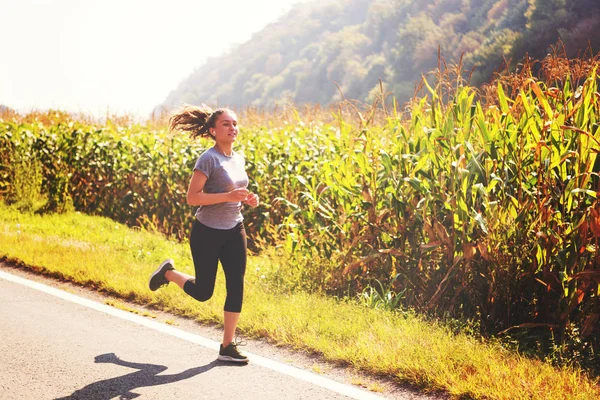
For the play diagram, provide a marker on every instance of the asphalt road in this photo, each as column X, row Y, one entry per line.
column 57, row 348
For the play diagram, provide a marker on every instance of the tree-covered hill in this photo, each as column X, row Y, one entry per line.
column 355, row 43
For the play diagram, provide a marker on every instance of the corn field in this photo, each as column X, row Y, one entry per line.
column 481, row 204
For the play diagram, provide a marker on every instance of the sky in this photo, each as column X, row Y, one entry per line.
column 102, row 57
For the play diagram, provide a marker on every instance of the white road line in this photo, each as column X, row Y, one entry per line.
column 297, row 373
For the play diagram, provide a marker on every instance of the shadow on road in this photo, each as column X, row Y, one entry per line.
column 121, row 387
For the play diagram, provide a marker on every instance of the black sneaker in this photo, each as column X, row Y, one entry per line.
column 231, row 353
column 157, row 279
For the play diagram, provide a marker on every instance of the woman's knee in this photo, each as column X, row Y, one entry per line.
column 233, row 304
column 197, row 292
column 202, row 297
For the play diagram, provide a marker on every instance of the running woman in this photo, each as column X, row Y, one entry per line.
column 219, row 187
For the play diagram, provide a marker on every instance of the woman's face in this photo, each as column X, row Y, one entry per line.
column 225, row 130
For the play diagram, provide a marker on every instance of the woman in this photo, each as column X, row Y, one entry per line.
column 218, row 186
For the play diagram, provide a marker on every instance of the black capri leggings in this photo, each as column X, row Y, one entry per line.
column 209, row 246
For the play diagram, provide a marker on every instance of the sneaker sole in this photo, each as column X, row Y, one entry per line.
column 157, row 271
column 231, row 359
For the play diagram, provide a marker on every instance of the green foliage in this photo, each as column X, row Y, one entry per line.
column 21, row 173
column 130, row 175
column 381, row 297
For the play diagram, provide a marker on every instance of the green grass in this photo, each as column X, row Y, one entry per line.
column 109, row 257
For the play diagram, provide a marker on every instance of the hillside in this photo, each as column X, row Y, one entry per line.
column 355, row 43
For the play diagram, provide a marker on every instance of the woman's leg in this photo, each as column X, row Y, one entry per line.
column 204, row 244
column 177, row 277
column 230, row 321
column 233, row 260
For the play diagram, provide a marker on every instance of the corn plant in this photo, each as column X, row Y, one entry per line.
column 468, row 203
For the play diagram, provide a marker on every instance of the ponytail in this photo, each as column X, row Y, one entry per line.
column 196, row 121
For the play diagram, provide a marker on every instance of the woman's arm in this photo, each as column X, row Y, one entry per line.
column 197, row 197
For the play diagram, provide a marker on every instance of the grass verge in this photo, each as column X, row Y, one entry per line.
column 99, row 253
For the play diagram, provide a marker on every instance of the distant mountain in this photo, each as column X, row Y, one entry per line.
column 355, row 43
column 5, row 109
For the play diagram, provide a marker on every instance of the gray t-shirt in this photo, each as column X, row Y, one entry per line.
column 224, row 174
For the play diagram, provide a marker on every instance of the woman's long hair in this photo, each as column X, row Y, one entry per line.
column 196, row 121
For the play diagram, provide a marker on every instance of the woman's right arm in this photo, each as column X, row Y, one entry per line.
column 197, row 197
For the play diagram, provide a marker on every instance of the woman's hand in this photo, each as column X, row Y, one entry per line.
column 251, row 200
column 239, row 194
